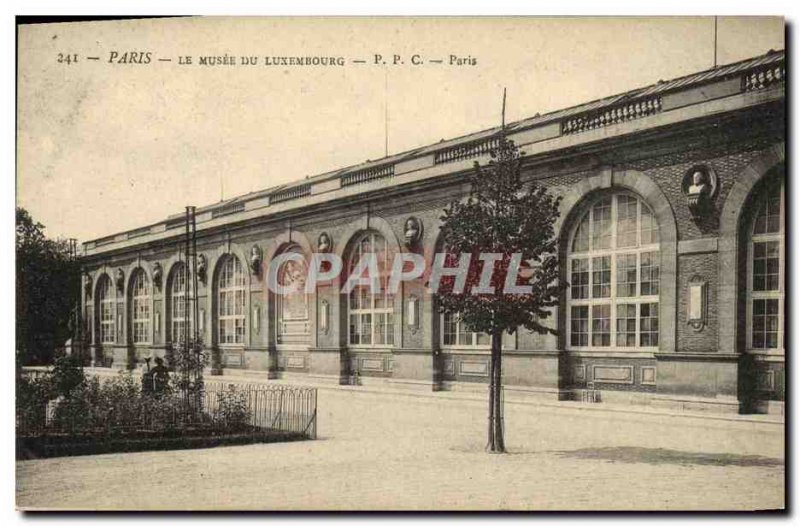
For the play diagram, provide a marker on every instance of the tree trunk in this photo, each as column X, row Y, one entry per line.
column 496, row 442
column 490, row 444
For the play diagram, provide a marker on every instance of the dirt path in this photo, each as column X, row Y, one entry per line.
column 381, row 452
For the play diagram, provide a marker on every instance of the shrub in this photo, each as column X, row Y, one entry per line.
column 233, row 412
column 32, row 396
column 164, row 412
column 111, row 406
column 66, row 375
column 118, row 406
column 77, row 413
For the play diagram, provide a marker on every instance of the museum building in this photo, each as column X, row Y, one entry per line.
column 671, row 236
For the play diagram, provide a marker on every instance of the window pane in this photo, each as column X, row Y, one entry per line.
column 580, row 278
column 626, row 325
column 648, row 324
column 580, row 242
column 627, row 221
column 626, row 275
column 765, row 323
column 601, row 277
column 464, row 337
column 448, row 329
column 355, row 336
column 579, row 326
column 601, row 217
column 389, row 328
column 601, row 325
column 366, row 328
column 649, row 226
column 380, row 328
column 649, row 270
column 768, row 220
column 766, row 265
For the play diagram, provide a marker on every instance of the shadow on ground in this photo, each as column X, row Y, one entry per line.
column 642, row 455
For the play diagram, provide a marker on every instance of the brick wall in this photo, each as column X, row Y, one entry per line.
column 705, row 267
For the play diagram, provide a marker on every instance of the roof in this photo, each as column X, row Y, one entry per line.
column 659, row 88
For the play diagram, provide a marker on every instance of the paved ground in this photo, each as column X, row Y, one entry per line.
column 407, row 452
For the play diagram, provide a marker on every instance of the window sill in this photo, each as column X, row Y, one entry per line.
column 466, row 350
column 762, row 352
column 375, row 349
column 615, row 352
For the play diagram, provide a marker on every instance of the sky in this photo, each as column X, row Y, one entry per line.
column 104, row 146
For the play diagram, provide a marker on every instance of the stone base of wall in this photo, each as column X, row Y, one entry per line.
column 327, row 362
column 720, row 404
column 769, row 407
column 522, row 392
column 256, row 374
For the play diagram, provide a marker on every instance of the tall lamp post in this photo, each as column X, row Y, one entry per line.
column 77, row 337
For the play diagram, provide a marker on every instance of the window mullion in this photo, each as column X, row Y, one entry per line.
column 590, row 309
column 639, row 223
column 613, row 298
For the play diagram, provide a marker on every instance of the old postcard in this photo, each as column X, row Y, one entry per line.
column 401, row 264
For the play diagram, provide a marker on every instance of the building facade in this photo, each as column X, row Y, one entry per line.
column 671, row 235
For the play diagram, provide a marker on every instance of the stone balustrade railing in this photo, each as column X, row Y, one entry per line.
column 626, row 111
column 288, row 194
column 231, row 208
column 764, row 76
column 367, row 174
column 466, row 151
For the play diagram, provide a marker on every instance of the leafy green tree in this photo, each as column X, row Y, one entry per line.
column 47, row 284
column 502, row 216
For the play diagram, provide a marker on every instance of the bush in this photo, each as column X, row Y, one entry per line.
column 232, row 411
column 164, row 412
column 32, row 396
column 77, row 413
column 118, row 406
column 111, row 406
column 66, row 375
column 35, row 393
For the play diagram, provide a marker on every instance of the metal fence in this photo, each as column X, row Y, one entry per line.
column 218, row 409
column 271, row 407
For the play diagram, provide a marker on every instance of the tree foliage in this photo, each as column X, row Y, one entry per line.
column 47, row 281
column 502, row 215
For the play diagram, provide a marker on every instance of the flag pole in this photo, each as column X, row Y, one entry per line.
column 715, row 41
column 503, row 118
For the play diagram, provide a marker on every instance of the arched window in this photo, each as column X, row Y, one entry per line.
column 613, row 270
column 178, row 314
column 140, row 307
column 106, row 310
column 766, row 271
column 231, row 302
column 371, row 315
column 291, row 309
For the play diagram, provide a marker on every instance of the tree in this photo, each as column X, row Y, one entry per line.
column 502, row 216
column 47, row 281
